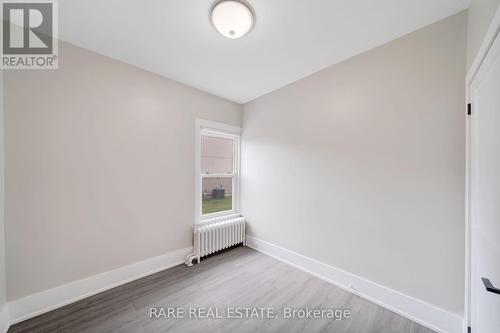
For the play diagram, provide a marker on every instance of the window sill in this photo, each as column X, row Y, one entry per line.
column 218, row 217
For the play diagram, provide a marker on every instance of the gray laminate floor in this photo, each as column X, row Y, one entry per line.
column 237, row 278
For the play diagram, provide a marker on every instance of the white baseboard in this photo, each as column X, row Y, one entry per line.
column 4, row 319
column 36, row 304
column 414, row 309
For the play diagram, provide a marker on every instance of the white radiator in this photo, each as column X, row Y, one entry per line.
column 215, row 235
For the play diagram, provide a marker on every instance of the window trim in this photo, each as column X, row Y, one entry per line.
column 206, row 127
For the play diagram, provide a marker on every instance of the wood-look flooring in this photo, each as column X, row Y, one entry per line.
column 237, row 278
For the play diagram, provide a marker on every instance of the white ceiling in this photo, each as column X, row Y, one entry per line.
column 291, row 39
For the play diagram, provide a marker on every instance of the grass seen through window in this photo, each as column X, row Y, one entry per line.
column 217, row 205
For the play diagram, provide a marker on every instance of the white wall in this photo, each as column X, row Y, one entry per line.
column 3, row 308
column 361, row 165
column 480, row 14
column 100, row 167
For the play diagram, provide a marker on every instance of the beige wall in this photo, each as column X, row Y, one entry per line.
column 100, row 167
column 479, row 19
column 3, row 310
column 376, row 146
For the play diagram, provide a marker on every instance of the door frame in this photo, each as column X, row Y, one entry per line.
column 477, row 65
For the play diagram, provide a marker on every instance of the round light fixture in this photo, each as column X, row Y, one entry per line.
column 232, row 18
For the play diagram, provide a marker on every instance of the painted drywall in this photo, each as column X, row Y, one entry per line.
column 3, row 285
column 480, row 14
column 99, row 166
column 361, row 165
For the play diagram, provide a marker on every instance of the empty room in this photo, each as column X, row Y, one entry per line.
column 262, row 166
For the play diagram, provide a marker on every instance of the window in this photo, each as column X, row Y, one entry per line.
column 217, row 170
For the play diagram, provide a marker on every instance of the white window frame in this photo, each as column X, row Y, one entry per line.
column 221, row 130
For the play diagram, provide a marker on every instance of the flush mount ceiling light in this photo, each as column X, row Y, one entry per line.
column 232, row 18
